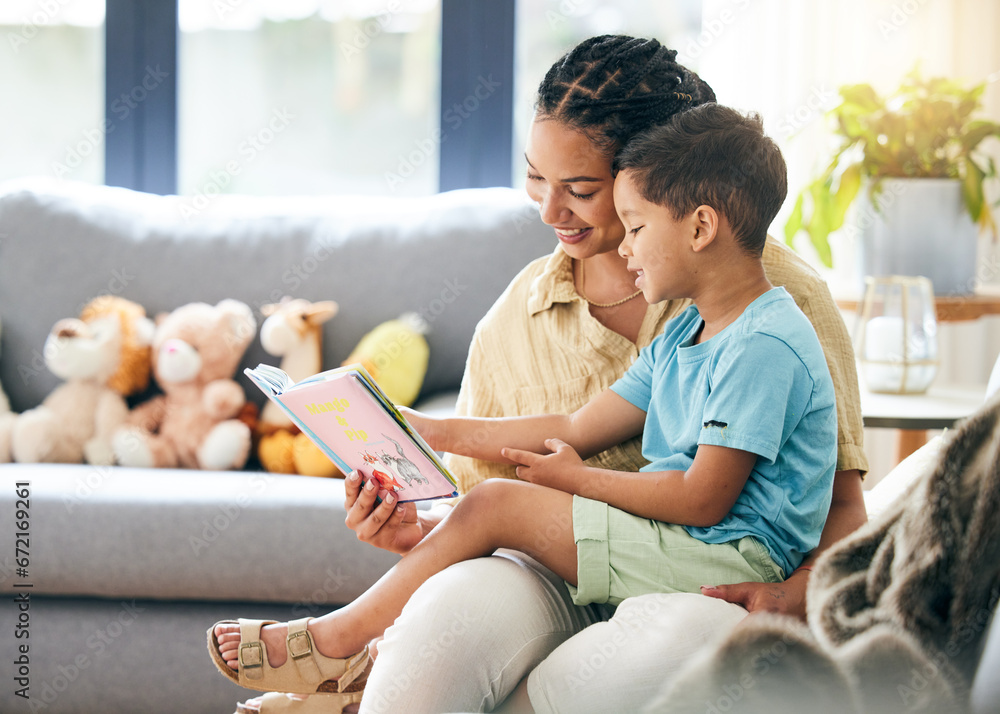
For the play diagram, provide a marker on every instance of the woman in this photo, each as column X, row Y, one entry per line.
column 566, row 328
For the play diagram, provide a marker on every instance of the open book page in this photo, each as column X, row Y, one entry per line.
column 350, row 419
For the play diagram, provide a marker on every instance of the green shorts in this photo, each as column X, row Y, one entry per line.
column 620, row 556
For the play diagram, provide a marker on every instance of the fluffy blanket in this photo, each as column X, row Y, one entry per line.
column 898, row 611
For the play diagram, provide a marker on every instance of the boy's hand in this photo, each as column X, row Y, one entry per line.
column 555, row 470
column 423, row 425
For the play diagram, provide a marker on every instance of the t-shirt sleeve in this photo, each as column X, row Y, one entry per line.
column 636, row 385
column 756, row 387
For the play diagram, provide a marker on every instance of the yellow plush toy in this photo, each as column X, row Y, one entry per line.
column 396, row 353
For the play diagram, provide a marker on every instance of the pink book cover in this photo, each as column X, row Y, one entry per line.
column 348, row 417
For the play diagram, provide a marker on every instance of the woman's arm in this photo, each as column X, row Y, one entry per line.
column 388, row 525
column 847, row 514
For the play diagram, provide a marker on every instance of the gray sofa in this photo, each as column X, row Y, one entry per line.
column 129, row 567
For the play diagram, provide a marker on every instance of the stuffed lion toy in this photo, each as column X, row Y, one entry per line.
column 103, row 356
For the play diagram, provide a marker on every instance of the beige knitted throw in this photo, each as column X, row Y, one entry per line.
column 898, row 611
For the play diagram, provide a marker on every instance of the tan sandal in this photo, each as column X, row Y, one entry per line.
column 279, row 703
column 306, row 671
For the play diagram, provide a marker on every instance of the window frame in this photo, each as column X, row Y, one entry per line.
column 477, row 69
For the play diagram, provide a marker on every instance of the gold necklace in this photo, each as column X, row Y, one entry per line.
column 616, row 303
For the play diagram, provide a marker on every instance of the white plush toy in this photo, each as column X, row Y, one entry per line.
column 4, row 403
column 6, row 424
column 103, row 357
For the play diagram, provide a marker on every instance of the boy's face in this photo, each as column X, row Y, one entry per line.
column 655, row 244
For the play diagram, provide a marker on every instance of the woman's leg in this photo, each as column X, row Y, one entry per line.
column 622, row 664
column 471, row 633
column 496, row 514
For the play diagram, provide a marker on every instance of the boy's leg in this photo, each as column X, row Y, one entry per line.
column 496, row 514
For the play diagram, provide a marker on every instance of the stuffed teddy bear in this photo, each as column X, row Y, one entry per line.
column 395, row 353
column 6, row 424
column 193, row 424
column 293, row 330
column 103, row 357
column 4, row 402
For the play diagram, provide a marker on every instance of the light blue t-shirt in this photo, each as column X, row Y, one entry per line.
column 761, row 385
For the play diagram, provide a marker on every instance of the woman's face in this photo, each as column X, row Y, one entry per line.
column 570, row 180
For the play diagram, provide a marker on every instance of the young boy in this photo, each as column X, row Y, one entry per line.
column 734, row 401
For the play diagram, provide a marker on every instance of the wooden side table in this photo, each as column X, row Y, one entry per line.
column 949, row 308
column 914, row 414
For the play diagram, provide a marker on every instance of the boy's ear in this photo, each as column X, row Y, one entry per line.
column 705, row 222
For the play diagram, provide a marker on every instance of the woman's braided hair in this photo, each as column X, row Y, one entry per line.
column 612, row 87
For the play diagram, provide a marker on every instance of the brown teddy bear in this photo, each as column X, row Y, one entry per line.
column 104, row 356
column 193, row 424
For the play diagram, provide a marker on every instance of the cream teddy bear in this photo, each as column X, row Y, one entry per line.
column 196, row 350
column 6, row 423
column 293, row 331
column 103, row 357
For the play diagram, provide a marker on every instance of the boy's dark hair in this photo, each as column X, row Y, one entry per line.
column 612, row 87
column 715, row 156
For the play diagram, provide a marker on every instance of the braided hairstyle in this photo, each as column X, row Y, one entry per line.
column 612, row 87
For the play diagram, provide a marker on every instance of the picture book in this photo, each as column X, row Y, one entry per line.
column 345, row 413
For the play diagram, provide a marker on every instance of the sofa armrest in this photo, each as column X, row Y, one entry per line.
column 986, row 687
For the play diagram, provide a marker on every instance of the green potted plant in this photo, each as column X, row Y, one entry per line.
column 917, row 152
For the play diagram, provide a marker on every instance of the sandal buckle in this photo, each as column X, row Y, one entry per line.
column 251, row 655
column 299, row 645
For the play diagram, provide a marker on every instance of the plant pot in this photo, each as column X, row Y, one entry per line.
column 919, row 226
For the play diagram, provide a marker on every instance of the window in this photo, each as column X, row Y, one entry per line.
column 52, row 72
column 309, row 96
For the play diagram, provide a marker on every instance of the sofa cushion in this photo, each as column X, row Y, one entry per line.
column 446, row 257
column 189, row 535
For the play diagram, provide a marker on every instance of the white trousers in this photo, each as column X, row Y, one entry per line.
column 472, row 632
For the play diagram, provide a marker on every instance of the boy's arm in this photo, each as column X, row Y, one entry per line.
column 700, row 496
column 605, row 421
